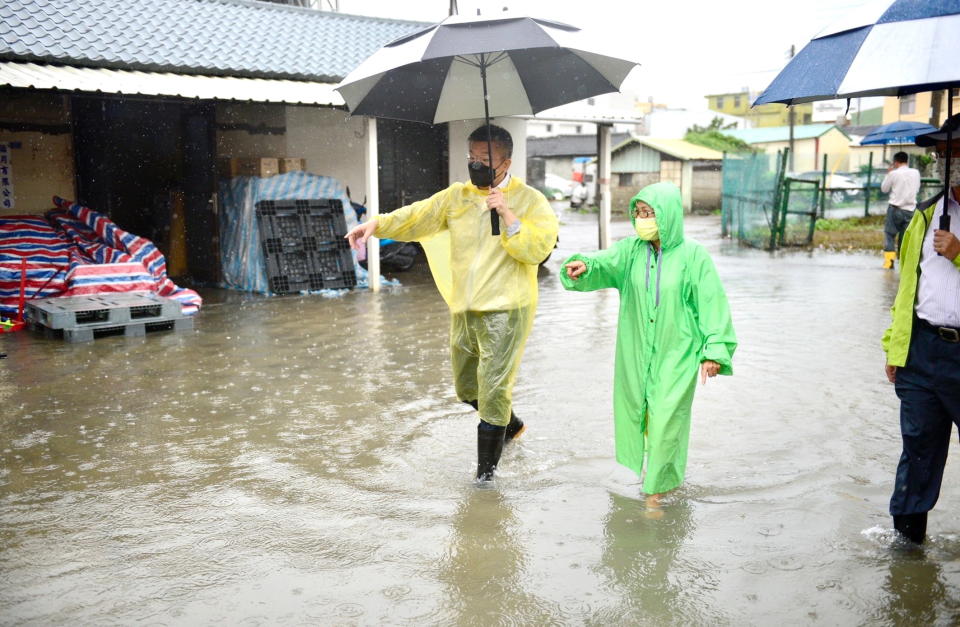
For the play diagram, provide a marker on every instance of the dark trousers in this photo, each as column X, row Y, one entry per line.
column 894, row 226
column 929, row 391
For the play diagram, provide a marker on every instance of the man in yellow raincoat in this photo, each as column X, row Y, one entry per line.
column 489, row 282
column 674, row 321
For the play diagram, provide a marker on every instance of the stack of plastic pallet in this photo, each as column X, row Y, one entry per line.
column 303, row 245
column 84, row 318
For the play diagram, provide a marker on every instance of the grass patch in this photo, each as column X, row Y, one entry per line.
column 863, row 233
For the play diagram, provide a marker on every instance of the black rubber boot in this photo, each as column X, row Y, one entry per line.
column 514, row 428
column 489, row 449
column 912, row 526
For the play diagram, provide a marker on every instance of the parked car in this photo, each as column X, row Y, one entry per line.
column 840, row 186
column 557, row 182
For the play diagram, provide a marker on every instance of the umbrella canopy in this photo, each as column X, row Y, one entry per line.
column 477, row 67
column 879, row 49
column 897, row 133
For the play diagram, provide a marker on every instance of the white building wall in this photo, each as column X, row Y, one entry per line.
column 332, row 142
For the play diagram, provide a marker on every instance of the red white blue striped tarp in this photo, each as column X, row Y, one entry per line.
column 75, row 251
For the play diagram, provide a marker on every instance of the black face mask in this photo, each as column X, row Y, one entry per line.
column 481, row 174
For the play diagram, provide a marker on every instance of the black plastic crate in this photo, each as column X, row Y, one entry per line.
column 296, row 222
column 336, row 266
column 303, row 245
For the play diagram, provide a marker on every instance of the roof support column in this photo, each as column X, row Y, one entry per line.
column 373, row 203
column 604, row 132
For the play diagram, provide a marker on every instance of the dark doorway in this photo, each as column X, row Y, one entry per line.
column 149, row 166
column 413, row 161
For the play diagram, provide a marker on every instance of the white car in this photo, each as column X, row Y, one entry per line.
column 564, row 186
column 840, row 186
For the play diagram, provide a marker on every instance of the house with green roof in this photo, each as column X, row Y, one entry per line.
column 640, row 161
column 811, row 142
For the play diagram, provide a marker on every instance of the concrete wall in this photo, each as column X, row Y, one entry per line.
column 332, row 142
column 43, row 164
column 804, row 157
column 836, row 146
column 620, row 196
column 265, row 135
column 922, row 104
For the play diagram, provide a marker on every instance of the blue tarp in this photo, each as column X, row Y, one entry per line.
column 241, row 256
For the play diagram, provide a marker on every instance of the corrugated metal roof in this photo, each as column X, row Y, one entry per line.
column 103, row 80
column 568, row 145
column 213, row 37
column 677, row 148
column 768, row 134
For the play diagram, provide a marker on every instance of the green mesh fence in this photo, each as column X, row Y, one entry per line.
column 766, row 207
column 799, row 200
column 748, row 209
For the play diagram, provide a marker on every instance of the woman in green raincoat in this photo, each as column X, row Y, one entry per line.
column 674, row 322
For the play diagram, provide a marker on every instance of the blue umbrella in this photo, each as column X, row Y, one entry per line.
column 906, row 47
column 902, row 48
column 897, row 133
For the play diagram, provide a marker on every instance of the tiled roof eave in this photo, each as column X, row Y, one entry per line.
column 158, row 67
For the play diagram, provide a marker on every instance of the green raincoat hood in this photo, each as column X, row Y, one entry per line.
column 666, row 202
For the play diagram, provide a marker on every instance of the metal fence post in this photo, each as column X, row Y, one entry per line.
column 823, row 189
column 866, row 191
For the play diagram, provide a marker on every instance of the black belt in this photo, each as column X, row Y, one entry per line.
column 948, row 334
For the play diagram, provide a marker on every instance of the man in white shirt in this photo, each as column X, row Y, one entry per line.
column 902, row 183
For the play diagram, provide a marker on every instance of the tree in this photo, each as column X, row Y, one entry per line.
column 711, row 136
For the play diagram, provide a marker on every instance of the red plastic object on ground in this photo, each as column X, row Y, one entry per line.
column 9, row 326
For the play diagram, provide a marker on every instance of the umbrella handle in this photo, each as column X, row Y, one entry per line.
column 495, row 222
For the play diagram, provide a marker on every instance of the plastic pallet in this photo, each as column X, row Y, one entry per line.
column 300, row 223
column 81, row 311
column 130, row 329
column 328, row 268
column 303, row 245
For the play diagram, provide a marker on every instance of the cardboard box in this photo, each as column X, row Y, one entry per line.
column 292, row 164
column 262, row 167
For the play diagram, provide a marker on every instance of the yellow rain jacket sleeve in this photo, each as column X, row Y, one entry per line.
column 488, row 282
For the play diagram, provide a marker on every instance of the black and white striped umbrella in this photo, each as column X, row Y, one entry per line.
column 480, row 67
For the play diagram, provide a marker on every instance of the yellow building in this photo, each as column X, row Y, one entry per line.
column 774, row 114
column 917, row 108
column 810, row 143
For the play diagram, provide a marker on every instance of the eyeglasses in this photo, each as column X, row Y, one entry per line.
column 483, row 160
column 643, row 213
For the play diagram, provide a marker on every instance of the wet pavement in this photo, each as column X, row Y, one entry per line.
column 303, row 461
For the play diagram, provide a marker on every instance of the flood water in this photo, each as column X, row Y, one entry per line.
column 303, row 461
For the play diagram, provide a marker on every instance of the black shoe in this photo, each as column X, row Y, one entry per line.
column 489, row 448
column 912, row 526
column 515, row 429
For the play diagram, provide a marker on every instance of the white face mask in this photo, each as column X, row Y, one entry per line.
column 954, row 169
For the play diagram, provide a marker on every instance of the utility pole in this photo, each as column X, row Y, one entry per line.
column 792, row 115
column 936, row 106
